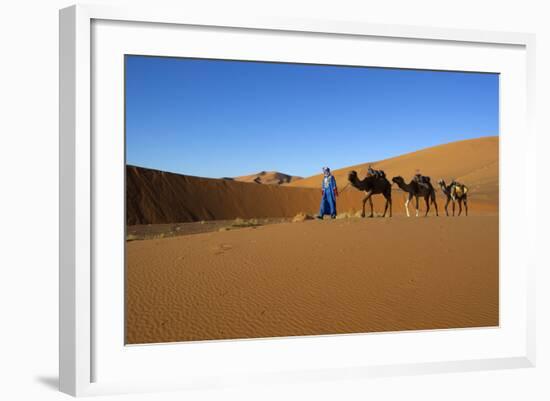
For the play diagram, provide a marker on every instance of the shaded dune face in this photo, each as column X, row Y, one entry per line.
column 157, row 197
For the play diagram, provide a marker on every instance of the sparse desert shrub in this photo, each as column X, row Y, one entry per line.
column 302, row 217
column 238, row 222
column 345, row 215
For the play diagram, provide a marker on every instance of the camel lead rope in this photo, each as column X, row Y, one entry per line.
column 346, row 187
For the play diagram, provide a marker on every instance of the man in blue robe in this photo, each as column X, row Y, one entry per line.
column 330, row 192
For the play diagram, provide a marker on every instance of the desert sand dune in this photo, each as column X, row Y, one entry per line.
column 314, row 277
column 268, row 177
column 473, row 161
column 349, row 275
column 157, row 197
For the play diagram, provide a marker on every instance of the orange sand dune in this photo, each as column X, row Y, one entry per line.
column 268, row 177
column 347, row 275
column 473, row 162
column 314, row 277
column 157, row 197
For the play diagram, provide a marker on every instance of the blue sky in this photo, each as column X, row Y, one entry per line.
column 216, row 118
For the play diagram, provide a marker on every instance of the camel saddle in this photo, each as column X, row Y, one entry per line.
column 458, row 190
column 422, row 179
column 377, row 173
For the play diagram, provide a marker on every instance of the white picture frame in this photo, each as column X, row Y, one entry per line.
column 86, row 350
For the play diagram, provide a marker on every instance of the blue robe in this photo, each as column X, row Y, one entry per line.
column 328, row 203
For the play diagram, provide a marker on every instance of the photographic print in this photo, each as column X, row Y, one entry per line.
column 272, row 199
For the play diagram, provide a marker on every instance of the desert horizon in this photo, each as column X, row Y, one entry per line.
column 279, row 177
column 158, row 197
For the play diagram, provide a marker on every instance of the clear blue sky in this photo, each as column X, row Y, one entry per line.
column 216, row 118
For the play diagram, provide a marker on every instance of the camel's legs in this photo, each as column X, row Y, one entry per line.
column 453, row 208
column 459, row 206
column 390, row 201
column 371, row 207
column 407, row 204
column 367, row 197
column 416, row 198
column 435, row 204
column 466, row 205
column 447, row 204
column 427, row 200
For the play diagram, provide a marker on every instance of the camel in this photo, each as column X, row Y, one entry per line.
column 416, row 189
column 372, row 185
column 457, row 193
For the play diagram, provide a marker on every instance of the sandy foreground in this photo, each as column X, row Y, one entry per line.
column 313, row 278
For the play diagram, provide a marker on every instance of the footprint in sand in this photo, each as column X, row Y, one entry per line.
column 221, row 249
column 178, row 261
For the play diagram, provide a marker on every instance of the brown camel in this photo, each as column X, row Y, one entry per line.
column 455, row 192
column 416, row 189
column 372, row 185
